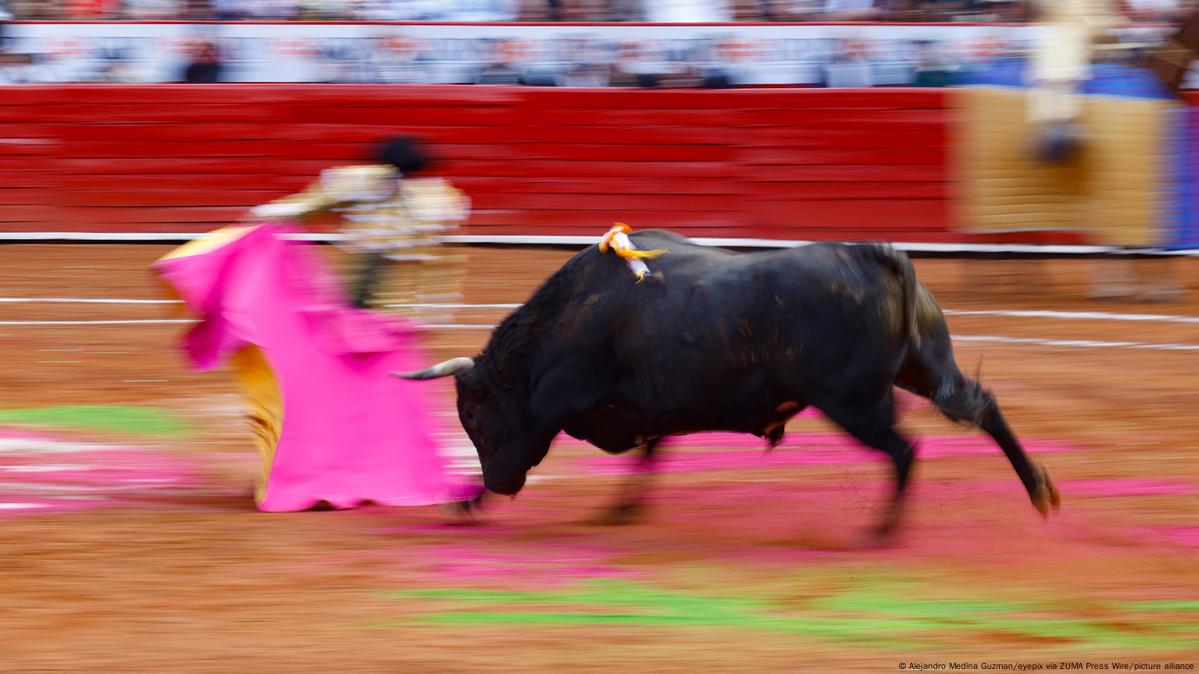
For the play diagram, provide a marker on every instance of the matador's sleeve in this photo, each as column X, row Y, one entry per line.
column 335, row 187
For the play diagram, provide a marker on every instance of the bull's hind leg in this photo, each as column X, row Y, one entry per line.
column 633, row 493
column 874, row 425
column 933, row 374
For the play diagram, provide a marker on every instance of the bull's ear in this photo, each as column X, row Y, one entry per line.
column 452, row 367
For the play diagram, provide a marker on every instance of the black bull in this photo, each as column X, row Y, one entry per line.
column 721, row 342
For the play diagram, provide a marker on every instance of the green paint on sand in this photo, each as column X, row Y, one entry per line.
column 876, row 614
column 112, row 418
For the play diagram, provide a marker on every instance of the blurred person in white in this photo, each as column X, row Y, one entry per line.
column 687, row 11
column 1060, row 64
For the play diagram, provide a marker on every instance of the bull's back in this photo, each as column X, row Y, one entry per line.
column 724, row 335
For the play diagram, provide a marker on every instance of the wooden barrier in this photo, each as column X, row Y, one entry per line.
column 790, row 163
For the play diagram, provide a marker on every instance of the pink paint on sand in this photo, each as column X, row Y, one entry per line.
column 43, row 473
column 1125, row 487
column 559, row 562
column 351, row 433
column 688, row 454
column 1179, row 534
column 95, row 468
column 17, row 433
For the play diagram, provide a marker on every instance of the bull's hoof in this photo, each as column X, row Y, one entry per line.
column 464, row 512
column 883, row 535
column 620, row 515
column 1046, row 497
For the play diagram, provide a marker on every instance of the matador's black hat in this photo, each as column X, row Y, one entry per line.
column 404, row 153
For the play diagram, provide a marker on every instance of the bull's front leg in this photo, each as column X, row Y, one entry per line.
column 635, row 490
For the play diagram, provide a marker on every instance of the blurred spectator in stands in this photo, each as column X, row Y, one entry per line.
column 484, row 10
column 850, row 67
column 231, row 10
column 587, row 64
column 905, row 10
column 152, row 10
column 711, row 62
column 687, row 11
column 932, row 68
column 1157, row 11
column 790, row 10
column 503, row 67
column 204, row 62
column 625, row 10
column 327, row 10
column 88, row 9
column 5, row 16
column 197, row 10
column 422, row 10
column 238, row 10
column 628, row 70
column 854, row 10
column 396, row 10
column 114, row 62
column 285, row 9
column 398, row 60
column 1008, row 11
column 342, row 61
column 17, row 68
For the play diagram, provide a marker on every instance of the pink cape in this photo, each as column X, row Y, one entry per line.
column 332, row 424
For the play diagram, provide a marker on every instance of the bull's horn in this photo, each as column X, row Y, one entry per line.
column 453, row 366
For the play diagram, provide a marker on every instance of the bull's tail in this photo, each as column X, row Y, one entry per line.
column 899, row 264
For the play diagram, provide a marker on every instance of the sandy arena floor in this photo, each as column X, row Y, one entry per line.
column 134, row 546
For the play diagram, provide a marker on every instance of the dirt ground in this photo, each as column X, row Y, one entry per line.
column 154, row 560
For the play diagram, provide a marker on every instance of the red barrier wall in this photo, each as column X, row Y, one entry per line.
column 807, row 163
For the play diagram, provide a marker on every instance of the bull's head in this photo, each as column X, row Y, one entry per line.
column 497, row 421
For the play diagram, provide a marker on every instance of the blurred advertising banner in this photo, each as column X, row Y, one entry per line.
column 559, row 55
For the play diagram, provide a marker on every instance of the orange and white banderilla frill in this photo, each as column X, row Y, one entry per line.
column 618, row 239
